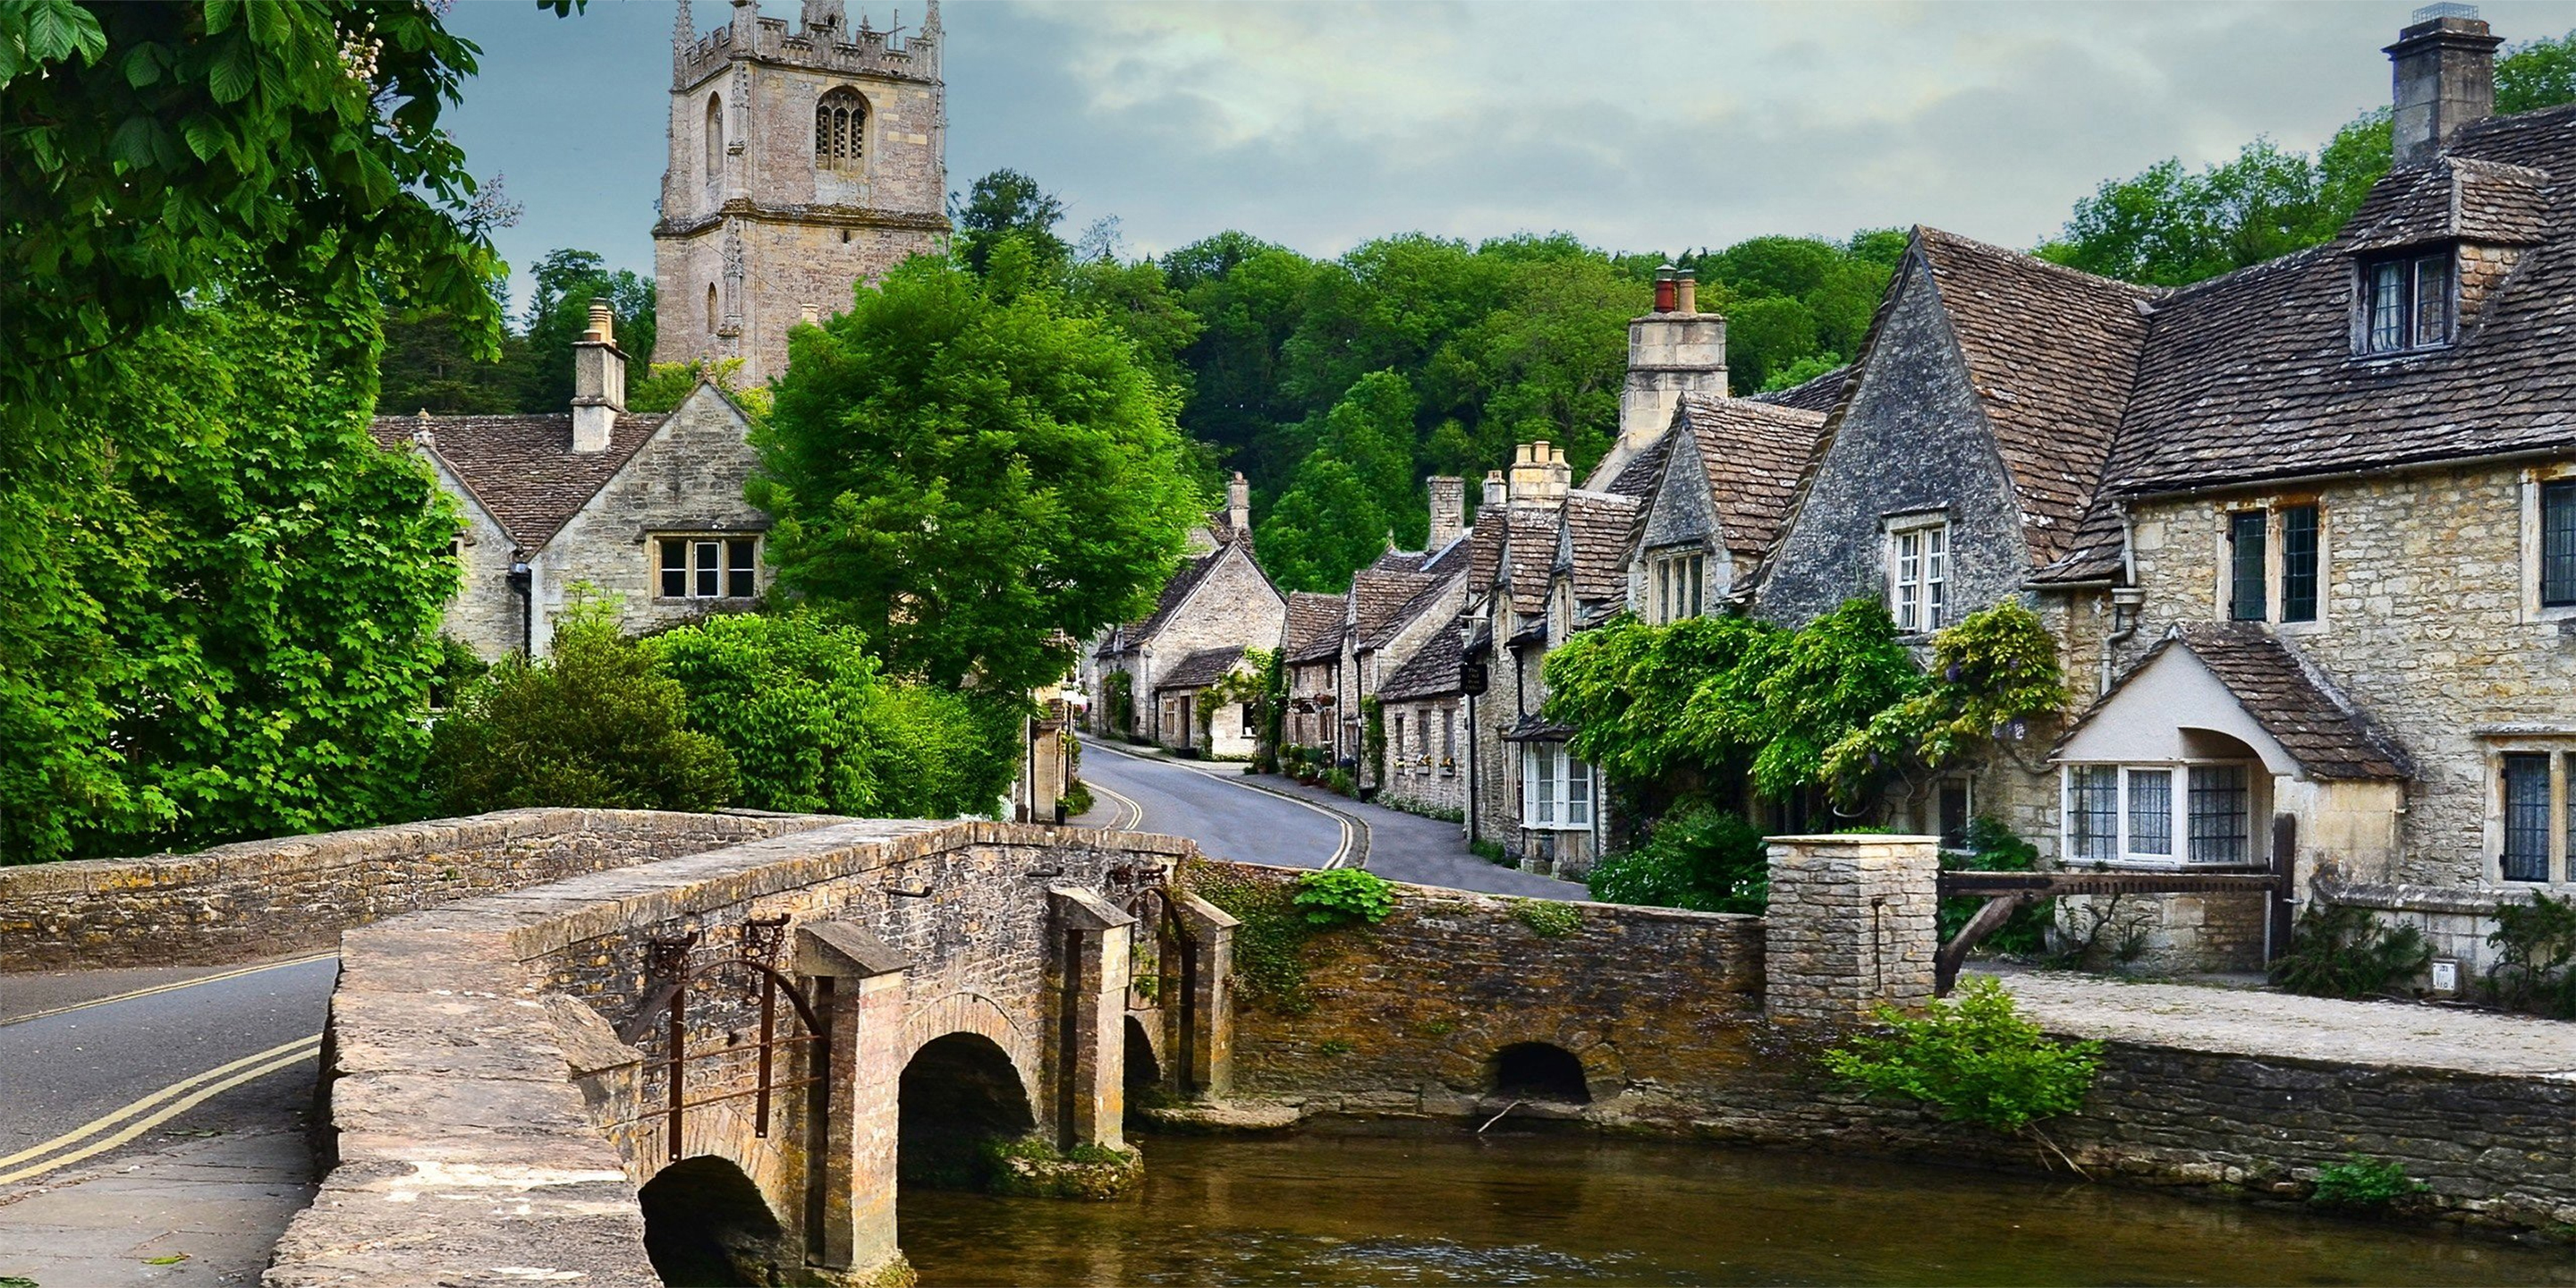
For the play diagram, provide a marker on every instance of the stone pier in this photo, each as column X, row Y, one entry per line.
column 1852, row 925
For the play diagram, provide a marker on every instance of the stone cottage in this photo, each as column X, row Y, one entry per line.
column 1311, row 663
column 647, row 509
column 1183, row 703
column 1218, row 598
column 2306, row 533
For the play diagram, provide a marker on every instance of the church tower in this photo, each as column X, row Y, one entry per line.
column 801, row 162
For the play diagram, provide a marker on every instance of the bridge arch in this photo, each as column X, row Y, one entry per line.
column 957, row 1090
column 707, row 1222
column 967, row 1011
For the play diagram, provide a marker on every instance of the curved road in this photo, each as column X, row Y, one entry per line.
column 1215, row 805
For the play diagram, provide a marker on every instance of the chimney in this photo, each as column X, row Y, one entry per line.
column 1686, row 291
column 598, row 381
column 1497, row 492
column 2445, row 78
column 1540, row 475
column 1672, row 351
column 1238, row 503
column 1448, row 509
column 1664, row 289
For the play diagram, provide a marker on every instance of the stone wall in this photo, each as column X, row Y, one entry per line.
column 1851, row 926
column 1428, row 774
column 260, row 899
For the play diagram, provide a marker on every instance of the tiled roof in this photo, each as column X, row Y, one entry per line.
column 2252, row 376
column 1384, row 601
column 522, row 468
column 1530, row 541
column 1485, row 547
column 2052, row 353
column 1448, row 558
column 1596, row 530
column 1431, row 672
column 1201, row 669
column 2454, row 197
column 1314, row 625
column 1637, row 477
column 2314, row 724
column 1753, row 453
column 2094, row 553
column 1817, row 395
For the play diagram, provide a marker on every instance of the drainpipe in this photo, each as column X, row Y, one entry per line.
column 2126, row 600
column 523, row 581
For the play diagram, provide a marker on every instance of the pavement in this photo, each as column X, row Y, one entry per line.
column 156, row 1121
column 1264, row 818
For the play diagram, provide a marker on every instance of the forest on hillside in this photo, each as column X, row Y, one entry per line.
column 1336, row 384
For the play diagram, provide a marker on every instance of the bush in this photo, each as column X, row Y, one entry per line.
column 1077, row 799
column 1993, row 847
column 1974, row 1058
column 1339, row 782
column 595, row 725
column 1342, row 896
column 1697, row 857
column 2534, row 943
column 2360, row 1183
column 2341, row 951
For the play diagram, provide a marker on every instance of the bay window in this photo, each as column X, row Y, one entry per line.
column 1556, row 789
column 2134, row 813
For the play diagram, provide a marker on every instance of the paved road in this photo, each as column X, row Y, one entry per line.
column 166, row 1127
column 1231, row 819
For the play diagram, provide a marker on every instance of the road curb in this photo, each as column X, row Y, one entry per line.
column 1360, row 834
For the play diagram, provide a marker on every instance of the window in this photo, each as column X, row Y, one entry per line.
column 1399, row 736
column 2558, row 544
column 2526, row 817
column 2245, row 565
column 1951, row 809
column 715, row 139
column 1449, row 735
column 1556, row 789
column 708, row 568
column 2407, row 303
column 1919, row 576
column 2299, row 563
column 1250, row 729
column 840, row 130
column 2133, row 813
column 714, row 319
column 1681, row 586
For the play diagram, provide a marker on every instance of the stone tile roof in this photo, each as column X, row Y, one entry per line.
column 2252, row 376
column 1637, row 477
column 1448, row 558
column 1596, row 530
column 2095, row 552
column 1754, row 453
column 1382, row 602
column 1314, row 625
column 1817, row 395
column 1485, row 548
column 1529, row 540
column 2052, row 353
column 2459, row 197
column 1201, row 669
column 1176, row 592
column 1432, row 671
column 522, row 468
column 2315, row 724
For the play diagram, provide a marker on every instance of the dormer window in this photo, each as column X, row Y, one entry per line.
column 2407, row 302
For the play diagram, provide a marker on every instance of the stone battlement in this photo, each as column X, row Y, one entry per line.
column 866, row 52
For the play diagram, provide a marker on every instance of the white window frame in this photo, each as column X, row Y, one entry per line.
column 2534, row 483
column 1919, row 572
column 695, row 570
column 1557, row 790
column 2177, row 833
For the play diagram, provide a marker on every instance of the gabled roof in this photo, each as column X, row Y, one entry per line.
column 2052, row 354
column 1529, row 543
column 1593, row 538
column 1382, row 602
column 1432, row 671
column 1637, row 477
column 1448, row 557
column 1176, row 592
column 1201, row 669
column 1817, row 395
column 521, row 469
column 2454, row 197
column 1314, row 625
column 1485, row 547
column 2313, row 723
column 1753, row 453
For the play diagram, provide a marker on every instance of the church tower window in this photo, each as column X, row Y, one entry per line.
column 712, row 319
column 840, row 130
column 715, row 138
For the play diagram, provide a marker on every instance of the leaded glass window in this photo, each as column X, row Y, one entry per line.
column 2526, row 817
column 2558, row 543
column 2151, row 811
column 840, row 130
column 2299, row 563
column 2245, row 587
column 2093, row 811
column 2220, row 828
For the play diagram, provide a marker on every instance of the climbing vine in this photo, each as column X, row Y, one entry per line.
column 1118, row 693
column 1373, row 737
column 1249, row 684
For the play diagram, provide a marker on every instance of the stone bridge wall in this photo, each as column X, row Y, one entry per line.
column 261, row 899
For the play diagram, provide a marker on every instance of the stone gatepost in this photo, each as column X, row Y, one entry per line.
column 1852, row 924
column 1091, row 1060
column 857, row 983
column 1207, row 997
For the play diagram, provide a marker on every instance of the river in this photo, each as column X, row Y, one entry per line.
column 1450, row 1208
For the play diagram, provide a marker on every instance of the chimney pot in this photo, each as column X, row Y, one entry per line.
column 603, row 323
column 1238, row 503
column 1498, row 490
column 1686, row 291
column 2443, row 67
column 1664, row 289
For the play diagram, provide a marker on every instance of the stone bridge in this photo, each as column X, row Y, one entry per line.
column 845, row 1001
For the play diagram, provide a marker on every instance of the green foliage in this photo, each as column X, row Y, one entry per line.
column 1373, row 736
column 597, row 724
column 1548, row 918
column 1696, row 856
column 976, row 479
column 2535, row 944
column 2536, row 74
column 563, row 284
column 236, row 631
column 1003, row 205
column 2338, row 950
column 1339, row 782
column 1118, row 693
column 1994, row 847
column 814, row 729
column 670, row 382
column 2360, row 1183
column 1270, row 939
column 1077, row 800
column 1489, row 851
column 1248, row 683
column 1973, row 1058
column 1344, row 896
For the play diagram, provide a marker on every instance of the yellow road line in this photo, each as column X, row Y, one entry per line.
column 1341, row 853
column 169, row 987
column 200, row 1097
column 1135, row 812
column 110, row 1119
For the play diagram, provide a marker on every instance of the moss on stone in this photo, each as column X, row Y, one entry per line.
column 1031, row 1168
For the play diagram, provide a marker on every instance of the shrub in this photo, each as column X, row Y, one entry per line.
column 1489, row 851
column 1994, row 847
column 1974, row 1058
column 2534, row 943
column 2360, row 1182
column 1269, row 939
column 1342, row 896
column 1698, row 857
column 1077, row 799
column 597, row 724
column 1547, row 918
column 2338, row 950
column 1339, row 782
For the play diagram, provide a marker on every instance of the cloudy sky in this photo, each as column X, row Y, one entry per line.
column 1633, row 126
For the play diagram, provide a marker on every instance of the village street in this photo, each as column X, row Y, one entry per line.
column 1268, row 819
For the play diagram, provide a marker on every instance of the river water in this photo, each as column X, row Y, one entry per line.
column 1450, row 1208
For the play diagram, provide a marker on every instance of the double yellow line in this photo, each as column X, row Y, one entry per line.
column 110, row 1130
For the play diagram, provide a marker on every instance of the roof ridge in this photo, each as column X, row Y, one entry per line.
column 2028, row 259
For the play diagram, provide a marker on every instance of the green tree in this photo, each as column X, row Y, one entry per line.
column 1007, row 203
column 563, row 285
column 973, row 480
column 596, row 725
column 431, row 364
column 2538, row 74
